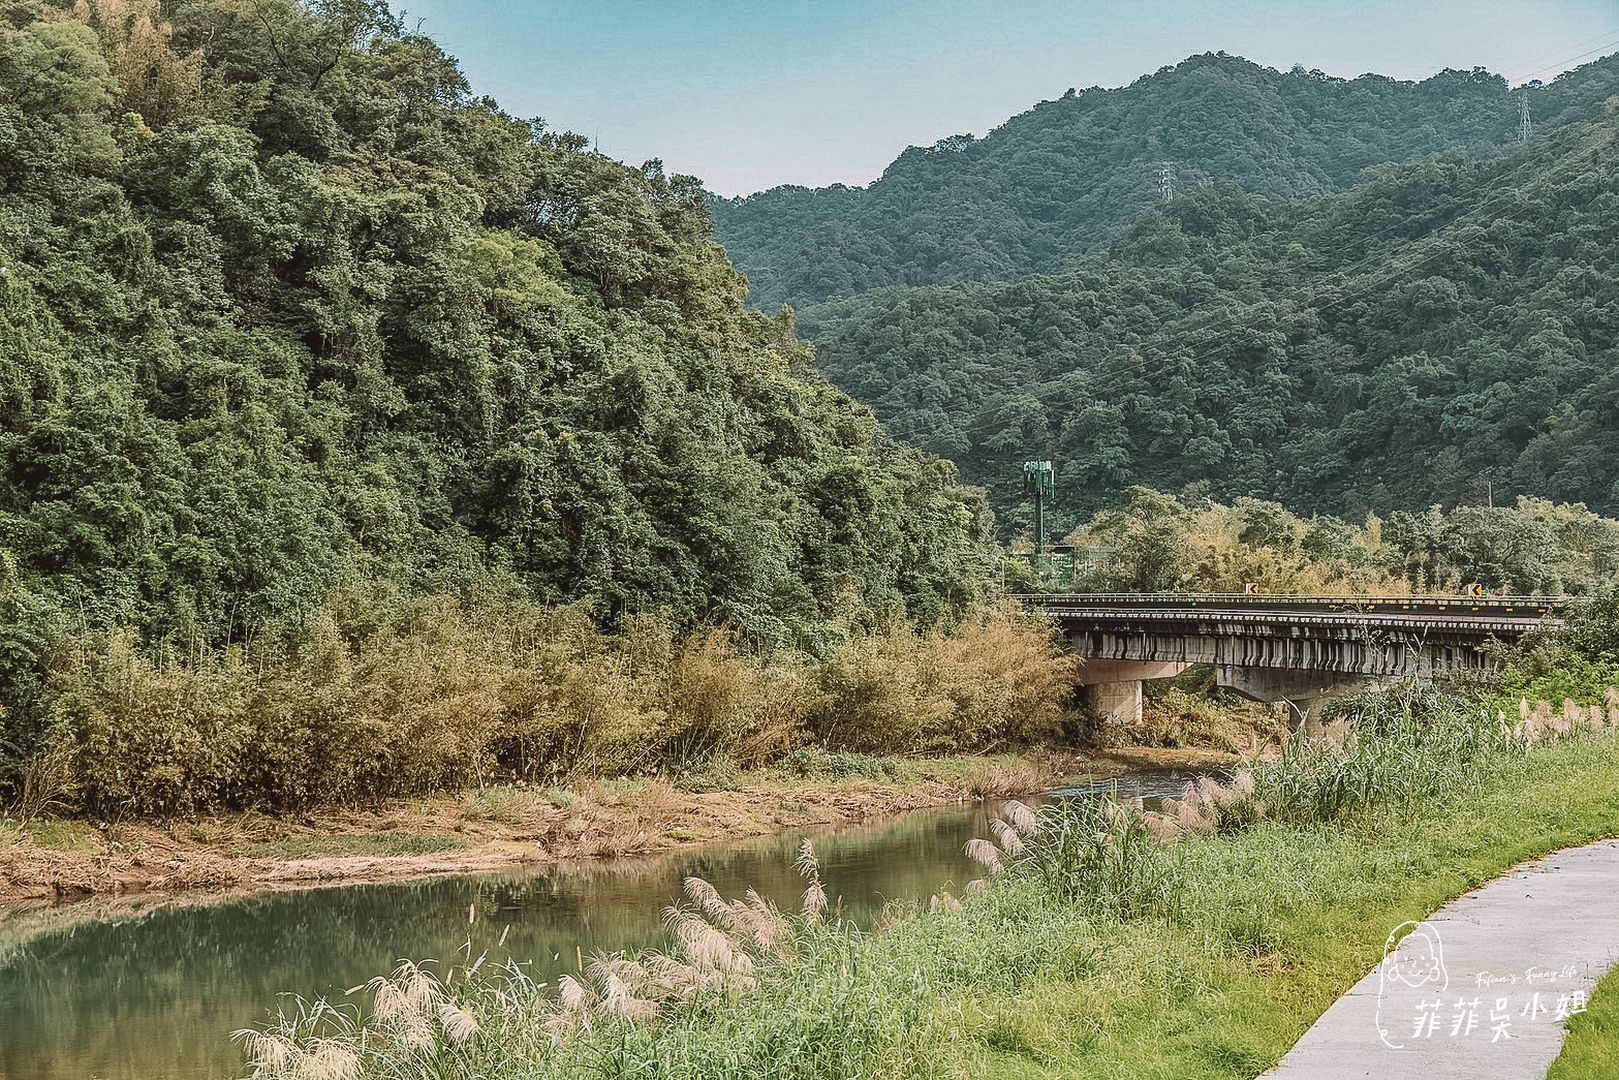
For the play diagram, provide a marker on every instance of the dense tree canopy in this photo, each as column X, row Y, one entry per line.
column 283, row 304
column 1156, row 542
column 1443, row 332
column 1064, row 178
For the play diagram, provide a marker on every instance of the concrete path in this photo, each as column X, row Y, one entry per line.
column 1477, row 989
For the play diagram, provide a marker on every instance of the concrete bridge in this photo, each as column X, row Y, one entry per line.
column 1282, row 648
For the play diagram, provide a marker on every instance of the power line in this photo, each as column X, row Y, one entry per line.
column 1185, row 334
column 1612, row 31
column 1527, row 164
column 1611, row 39
column 1398, row 266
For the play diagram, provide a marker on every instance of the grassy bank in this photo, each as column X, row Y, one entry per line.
column 1592, row 1049
column 1206, row 956
column 501, row 825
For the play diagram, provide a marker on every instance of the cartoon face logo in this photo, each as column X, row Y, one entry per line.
column 1413, row 958
column 1416, row 960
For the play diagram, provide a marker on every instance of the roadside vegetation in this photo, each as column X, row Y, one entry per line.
column 1592, row 1049
column 1105, row 939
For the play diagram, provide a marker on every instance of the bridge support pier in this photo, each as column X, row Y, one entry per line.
column 1112, row 688
column 1302, row 690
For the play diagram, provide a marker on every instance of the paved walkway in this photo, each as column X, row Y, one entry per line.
column 1476, row 990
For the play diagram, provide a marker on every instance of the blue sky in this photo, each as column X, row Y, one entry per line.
column 748, row 95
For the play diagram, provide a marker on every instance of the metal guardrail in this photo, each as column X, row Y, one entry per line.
column 1504, row 617
column 1542, row 607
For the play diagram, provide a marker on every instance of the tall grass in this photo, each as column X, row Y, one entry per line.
column 1384, row 751
column 1386, row 756
column 1097, row 853
column 417, row 1023
column 369, row 702
column 1591, row 1051
column 1105, row 939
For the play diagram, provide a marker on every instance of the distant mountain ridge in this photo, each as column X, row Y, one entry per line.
column 1444, row 332
column 1062, row 179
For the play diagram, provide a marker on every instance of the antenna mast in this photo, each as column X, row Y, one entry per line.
column 1040, row 481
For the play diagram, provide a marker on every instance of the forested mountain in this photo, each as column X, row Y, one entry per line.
column 1064, row 178
column 1444, row 332
column 283, row 305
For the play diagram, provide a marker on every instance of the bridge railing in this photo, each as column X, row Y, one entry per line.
column 1523, row 606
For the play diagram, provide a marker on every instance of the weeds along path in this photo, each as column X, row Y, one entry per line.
column 1483, row 987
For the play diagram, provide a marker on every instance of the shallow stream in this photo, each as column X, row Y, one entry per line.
column 121, row 991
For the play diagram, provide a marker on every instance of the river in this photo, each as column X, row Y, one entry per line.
column 121, row 992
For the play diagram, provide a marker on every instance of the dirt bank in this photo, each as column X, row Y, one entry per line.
column 506, row 826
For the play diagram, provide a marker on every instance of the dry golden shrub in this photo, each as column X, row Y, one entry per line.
column 375, row 697
column 1007, row 678
column 881, row 693
column 998, row 679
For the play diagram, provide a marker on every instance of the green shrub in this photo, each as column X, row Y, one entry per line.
column 817, row 761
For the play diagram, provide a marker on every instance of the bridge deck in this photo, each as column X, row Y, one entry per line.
column 1510, row 616
column 1286, row 647
column 1538, row 606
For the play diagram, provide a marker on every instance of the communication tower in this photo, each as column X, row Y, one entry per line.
column 1040, row 482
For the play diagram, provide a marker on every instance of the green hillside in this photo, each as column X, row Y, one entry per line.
column 284, row 307
column 1444, row 332
column 1064, row 178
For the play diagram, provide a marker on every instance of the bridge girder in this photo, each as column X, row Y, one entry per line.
column 1293, row 649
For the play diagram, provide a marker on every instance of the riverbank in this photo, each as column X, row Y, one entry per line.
column 505, row 826
column 1216, row 953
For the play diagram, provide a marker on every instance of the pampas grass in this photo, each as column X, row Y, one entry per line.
column 814, row 901
column 1230, row 922
column 416, row 1019
column 986, row 854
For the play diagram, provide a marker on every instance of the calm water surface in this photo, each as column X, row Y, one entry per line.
column 118, row 993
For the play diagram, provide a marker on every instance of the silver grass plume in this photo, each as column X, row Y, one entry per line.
column 814, row 903
column 459, row 1024
column 985, row 854
column 1006, row 837
column 1019, row 816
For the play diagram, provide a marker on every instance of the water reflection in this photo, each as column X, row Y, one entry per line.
column 153, row 995
column 1152, row 787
